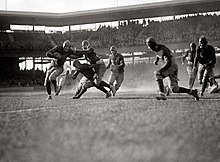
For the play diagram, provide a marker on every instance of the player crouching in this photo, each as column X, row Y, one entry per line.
column 87, row 80
column 169, row 69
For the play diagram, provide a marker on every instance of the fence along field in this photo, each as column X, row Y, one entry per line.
column 130, row 127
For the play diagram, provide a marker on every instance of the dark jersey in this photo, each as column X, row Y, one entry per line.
column 165, row 54
column 86, row 71
column 59, row 49
column 206, row 56
column 90, row 55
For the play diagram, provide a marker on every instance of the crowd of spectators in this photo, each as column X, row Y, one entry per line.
column 128, row 33
column 185, row 29
column 23, row 78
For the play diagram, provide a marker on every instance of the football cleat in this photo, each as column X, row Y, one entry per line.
column 113, row 89
column 75, row 97
column 194, row 93
column 108, row 94
column 49, row 97
column 201, row 94
column 161, row 96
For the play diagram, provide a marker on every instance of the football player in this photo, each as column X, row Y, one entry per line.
column 117, row 64
column 98, row 64
column 169, row 69
column 190, row 56
column 206, row 57
column 59, row 55
column 87, row 80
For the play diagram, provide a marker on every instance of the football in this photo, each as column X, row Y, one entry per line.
column 57, row 55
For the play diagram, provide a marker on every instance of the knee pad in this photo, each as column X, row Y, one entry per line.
column 175, row 89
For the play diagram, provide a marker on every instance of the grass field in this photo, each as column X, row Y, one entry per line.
column 131, row 127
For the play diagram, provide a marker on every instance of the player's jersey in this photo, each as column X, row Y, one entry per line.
column 191, row 56
column 165, row 54
column 59, row 49
column 206, row 56
column 117, row 60
column 86, row 71
column 91, row 56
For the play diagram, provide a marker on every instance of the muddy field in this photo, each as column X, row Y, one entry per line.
column 131, row 127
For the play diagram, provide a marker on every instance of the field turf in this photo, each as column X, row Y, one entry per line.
column 130, row 127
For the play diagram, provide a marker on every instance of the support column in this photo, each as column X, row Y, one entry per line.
column 33, row 68
column 41, row 60
column 132, row 55
column 25, row 63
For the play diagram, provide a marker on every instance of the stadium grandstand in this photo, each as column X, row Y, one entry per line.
column 188, row 20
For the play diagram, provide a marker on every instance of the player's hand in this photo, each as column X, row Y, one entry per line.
column 155, row 62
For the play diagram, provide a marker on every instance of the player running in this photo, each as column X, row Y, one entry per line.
column 190, row 56
column 206, row 57
column 59, row 55
column 116, row 64
column 169, row 69
column 87, row 80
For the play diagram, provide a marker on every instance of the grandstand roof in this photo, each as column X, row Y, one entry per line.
column 167, row 8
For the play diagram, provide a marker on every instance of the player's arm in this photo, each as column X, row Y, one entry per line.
column 156, row 60
column 109, row 63
column 167, row 63
column 122, row 62
column 53, row 53
column 184, row 57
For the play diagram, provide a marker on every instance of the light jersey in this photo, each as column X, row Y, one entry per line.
column 190, row 56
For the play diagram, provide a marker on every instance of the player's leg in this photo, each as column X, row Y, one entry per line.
column 191, row 76
column 177, row 89
column 201, row 71
column 112, row 79
column 208, row 73
column 47, row 82
column 82, row 87
column 54, row 75
column 102, row 88
column 119, row 80
column 159, row 80
column 60, row 83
